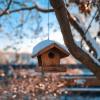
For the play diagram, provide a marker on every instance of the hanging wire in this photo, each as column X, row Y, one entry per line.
column 48, row 21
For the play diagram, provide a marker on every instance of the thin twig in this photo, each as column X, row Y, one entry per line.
column 91, row 21
column 28, row 8
column 6, row 9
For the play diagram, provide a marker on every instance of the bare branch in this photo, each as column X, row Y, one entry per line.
column 81, row 31
column 28, row 9
column 19, row 3
column 6, row 9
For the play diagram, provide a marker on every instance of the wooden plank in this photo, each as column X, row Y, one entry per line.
column 51, row 69
column 73, row 66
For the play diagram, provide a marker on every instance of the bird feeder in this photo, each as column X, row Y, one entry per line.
column 49, row 53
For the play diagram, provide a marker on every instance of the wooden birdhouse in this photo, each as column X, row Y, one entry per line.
column 49, row 53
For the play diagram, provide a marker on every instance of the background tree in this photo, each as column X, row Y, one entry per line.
column 29, row 16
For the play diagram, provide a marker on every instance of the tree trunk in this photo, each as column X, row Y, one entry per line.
column 78, row 53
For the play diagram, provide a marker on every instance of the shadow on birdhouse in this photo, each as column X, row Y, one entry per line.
column 49, row 53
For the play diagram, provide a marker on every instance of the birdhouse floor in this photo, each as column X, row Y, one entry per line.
column 51, row 69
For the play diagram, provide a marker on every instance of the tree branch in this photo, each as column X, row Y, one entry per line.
column 27, row 9
column 77, row 52
column 81, row 31
column 6, row 9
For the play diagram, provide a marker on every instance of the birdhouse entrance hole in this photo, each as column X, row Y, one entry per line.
column 51, row 55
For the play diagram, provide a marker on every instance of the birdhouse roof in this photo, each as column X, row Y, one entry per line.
column 47, row 45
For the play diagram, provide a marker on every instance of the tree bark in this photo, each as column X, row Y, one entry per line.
column 78, row 53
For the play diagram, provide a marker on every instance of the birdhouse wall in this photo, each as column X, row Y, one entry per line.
column 50, row 58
